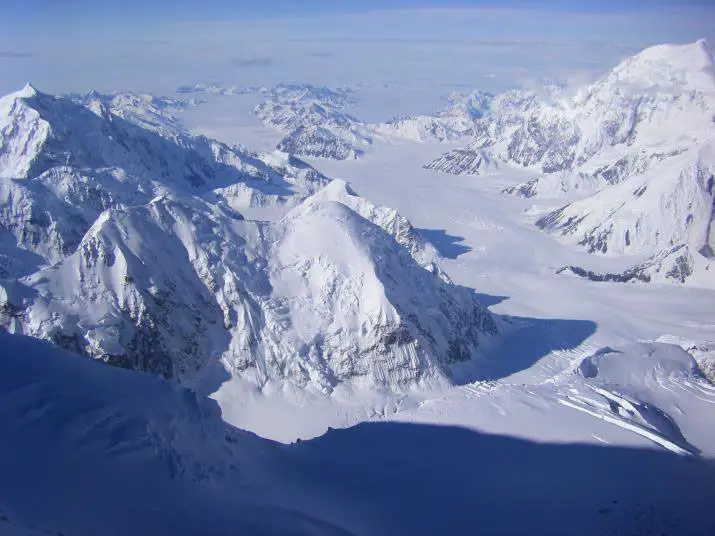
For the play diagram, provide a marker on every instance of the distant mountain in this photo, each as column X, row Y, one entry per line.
column 147, row 111
column 216, row 88
column 640, row 140
column 650, row 107
column 313, row 120
column 452, row 123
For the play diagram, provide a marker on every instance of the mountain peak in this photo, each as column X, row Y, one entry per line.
column 690, row 67
column 27, row 92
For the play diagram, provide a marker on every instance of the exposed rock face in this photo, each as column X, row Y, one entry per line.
column 319, row 142
column 314, row 122
column 466, row 161
column 675, row 265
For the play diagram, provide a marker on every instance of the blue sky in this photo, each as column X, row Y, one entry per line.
column 42, row 19
column 31, row 15
column 155, row 45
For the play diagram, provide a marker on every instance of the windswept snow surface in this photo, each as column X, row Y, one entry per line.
column 93, row 449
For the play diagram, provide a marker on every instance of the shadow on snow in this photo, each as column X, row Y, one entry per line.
column 521, row 344
column 141, row 455
column 449, row 246
column 399, row 478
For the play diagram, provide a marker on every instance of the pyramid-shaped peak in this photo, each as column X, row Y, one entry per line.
column 26, row 92
column 93, row 94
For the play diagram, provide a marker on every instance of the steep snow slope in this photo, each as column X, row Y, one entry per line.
column 338, row 290
column 359, row 302
column 130, row 295
column 389, row 220
column 91, row 449
column 134, row 454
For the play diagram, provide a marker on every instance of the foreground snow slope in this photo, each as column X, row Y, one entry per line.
column 93, row 449
column 131, row 453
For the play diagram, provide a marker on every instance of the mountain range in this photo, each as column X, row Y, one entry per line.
column 636, row 146
column 124, row 241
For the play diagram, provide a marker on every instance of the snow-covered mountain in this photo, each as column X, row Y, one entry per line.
column 666, row 213
column 217, row 88
column 454, row 122
column 127, row 244
column 147, row 111
column 656, row 210
column 314, row 122
column 338, row 290
column 650, row 107
column 65, row 160
column 659, row 200
column 639, row 140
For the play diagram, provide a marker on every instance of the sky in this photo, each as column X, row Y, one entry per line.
column 34, row 18
column 425, row 47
